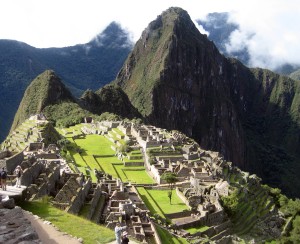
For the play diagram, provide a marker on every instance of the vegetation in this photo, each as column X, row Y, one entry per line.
column 66, row 114
column 76, row 226
column 83, row 66
column 166, row 237
column 39, row 94
column 231, row 202
column 170, row 178
column 156, row 202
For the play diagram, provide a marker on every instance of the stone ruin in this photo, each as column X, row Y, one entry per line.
column 201, row 181
column 126, row 206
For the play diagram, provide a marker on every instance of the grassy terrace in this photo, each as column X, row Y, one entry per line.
column 91, row 152
column 157, row 201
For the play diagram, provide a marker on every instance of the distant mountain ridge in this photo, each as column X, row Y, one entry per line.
column 90, row 65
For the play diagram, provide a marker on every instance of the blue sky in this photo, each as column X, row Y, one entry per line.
column 59, row 23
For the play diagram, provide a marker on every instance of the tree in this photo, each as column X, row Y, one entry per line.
column 170, row 178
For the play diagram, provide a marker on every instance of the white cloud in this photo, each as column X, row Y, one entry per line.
column 276, row 32
column 68, row 22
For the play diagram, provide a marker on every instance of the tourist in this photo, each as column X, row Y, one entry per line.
column 3, row 179
column 18, row 172
column 118, row 232
column 125, row 239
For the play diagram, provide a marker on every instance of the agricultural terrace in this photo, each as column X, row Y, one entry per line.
column 89, row 152
column 157, row 201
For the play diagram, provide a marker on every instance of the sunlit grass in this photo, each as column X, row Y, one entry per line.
column 161, row 198
column 95, row 145
column 150, row 203
column 166, row 237
column 90, row 232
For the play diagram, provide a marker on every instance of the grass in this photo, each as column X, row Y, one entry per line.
column 133, row 174
column 84, row 210
column 162, row 200
column 150, row 203
column 78, row 159
column 197, row 229
column 76, row 226
column 138, row 176
column 166, row 237
column 157, row 201
column 95, row 145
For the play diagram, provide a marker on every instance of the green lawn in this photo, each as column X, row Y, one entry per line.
column 96, row 153
column 78, row 159
column 76, row 226
column 148, row 200
column 161, row 198
column 106, row 163
column 157, row 201
column 95, row 145
column 136, row 175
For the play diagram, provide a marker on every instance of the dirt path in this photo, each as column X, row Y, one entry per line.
column 48, row 234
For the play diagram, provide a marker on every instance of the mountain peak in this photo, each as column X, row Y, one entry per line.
column 112, row 36
column 45, row 89
column 162, row 46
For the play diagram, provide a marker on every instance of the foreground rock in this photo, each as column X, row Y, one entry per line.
column 15, row 227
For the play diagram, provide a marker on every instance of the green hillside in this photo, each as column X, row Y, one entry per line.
column 84, row 66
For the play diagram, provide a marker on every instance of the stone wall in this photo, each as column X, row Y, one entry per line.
column 178, row 215
column 35, row 146
column 16, row 228
column 31, row 173
column 53, row 177
column 182, row 197
column 223, row 226
column 14, row 161
column 46, row 155
column 134, row 163
column 78, row 201
column 4, row 154
column 94, row 201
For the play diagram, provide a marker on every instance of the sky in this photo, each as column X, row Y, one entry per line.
column 273, row 25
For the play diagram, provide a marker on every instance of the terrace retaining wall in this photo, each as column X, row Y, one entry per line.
column 78, row 201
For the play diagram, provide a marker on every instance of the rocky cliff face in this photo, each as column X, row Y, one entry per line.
column 177, row 79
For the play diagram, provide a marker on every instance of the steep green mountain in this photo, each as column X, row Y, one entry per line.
column 86, row 66
column 46, row 89
column 177, row 79
column 48, row 95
